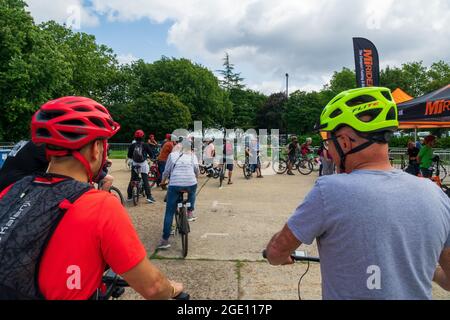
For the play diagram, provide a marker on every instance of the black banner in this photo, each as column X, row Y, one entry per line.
column 367, row 63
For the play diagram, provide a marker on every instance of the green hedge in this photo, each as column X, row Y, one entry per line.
column 402, row 142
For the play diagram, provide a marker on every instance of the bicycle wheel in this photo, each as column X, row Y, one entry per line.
column 116, row 192
column 135, row 194
column 202, row 170
column 280, row 167
column 305, row 167
column 152, row 178
column 442, row 173
column 221, row 177
column 184, row 231
column 247, row 171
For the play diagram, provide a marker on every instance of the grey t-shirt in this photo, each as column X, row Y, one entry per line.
column 379, row 233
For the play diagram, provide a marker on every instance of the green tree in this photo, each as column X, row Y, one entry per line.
column 303, row 111
column 246, row 103
column 341, row 81
column 32, row 70
column 271, row 114
column 156, row 112
column 231, row 80
column 193, row 84
column 438, row 75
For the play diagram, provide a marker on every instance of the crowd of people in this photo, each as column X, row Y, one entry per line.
column 368, row 218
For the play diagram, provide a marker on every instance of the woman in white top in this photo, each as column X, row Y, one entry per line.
column 182, row 171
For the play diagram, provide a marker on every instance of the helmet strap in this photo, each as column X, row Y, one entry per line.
column 77, row 155
column 343, row 155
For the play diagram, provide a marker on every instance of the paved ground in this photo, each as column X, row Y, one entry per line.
column 234, row 225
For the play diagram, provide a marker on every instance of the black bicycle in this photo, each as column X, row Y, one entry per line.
column 248, row 170
column 137, row 185
column 115, row 287
column 181, row 221
column 300, row 256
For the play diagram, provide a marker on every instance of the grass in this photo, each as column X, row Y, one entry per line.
column 118, row 154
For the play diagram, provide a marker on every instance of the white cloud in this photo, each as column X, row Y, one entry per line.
column 69, row 12
column 126, row 58
column 309, row 39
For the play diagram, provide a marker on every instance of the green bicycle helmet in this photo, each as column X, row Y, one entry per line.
column 370, row 109
column 371, row 112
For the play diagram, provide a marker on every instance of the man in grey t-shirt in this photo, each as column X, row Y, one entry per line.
column 380, row 232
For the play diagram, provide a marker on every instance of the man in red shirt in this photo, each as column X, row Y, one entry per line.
column 95, row 230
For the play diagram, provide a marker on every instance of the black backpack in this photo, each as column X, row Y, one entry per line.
column 29, row 215
column 138, row 153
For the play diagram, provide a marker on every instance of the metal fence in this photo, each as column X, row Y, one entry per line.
column 398, row 153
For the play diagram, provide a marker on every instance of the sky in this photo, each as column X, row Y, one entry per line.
column 308, row 39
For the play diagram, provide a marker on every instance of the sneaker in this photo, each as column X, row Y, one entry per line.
column 163, row 244
column 129, row 199
column 191, row 216
column 290, row 173
column 151, row 200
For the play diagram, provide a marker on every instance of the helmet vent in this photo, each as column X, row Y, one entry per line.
column 369, row 115
column 49, row 115
column 73, row 122
column 336, row 99
column 101, row 109
column 391, row 115
column 386, row 95
column 43, row 133
column 363, row 99
column 82, row 109
column 335, row 113
column 72, row 135
column 97, row 122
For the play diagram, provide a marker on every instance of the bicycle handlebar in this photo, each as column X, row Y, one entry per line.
column 111, row 279
column 297, row 257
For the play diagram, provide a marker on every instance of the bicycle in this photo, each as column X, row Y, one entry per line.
column 137, row 186
column 115, row 287
column 181, row 221
column 247, row 168
column 299, row 256
column 302, row 164
column 113, row 190
column 154, row 174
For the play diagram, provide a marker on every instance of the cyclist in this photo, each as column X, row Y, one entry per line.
column 166, row 149
column 306, row 147
column 292, row 150
column 252, row 151
column 425, row 156
column 228, row 158
column 209, row 154
column 139, row 153
column 413, row 164
column 366, row 218
column 182, row 172
column 26, row 158
column 153, row 144
column 69, row 232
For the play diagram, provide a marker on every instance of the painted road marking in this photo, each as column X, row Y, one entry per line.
column 206, row 235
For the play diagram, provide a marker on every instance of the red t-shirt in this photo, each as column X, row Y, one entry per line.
column 96, row 231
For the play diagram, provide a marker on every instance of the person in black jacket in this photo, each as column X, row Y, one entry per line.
column 139, row 153
column 25, row 159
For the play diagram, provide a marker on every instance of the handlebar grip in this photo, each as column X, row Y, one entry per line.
column 264, row 254
column 182, row 296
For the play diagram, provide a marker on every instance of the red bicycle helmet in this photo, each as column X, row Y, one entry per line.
column 70, row 123
column 139, row 134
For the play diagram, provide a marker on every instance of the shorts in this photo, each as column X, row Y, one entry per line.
column 291, row 158
column 230, row 167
